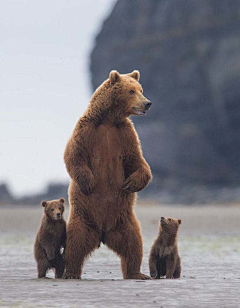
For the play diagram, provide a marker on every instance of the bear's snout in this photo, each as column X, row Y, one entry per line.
column 58, row 215
column 147, row 105
column 162, row 221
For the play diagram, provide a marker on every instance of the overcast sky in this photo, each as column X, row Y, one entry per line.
column 44, row 84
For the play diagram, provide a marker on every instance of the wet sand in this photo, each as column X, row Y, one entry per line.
column 209, row 245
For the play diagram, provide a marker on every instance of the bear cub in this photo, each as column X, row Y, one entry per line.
column 164, row 259
column 51, row 238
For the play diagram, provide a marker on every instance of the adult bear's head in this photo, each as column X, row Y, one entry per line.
column 119, row 97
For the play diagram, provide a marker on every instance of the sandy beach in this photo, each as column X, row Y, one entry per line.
column 209, row 245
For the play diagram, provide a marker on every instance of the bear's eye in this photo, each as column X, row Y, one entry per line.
column 52, row 210
column 131, row 91
column 60, row 208
column 169, row 219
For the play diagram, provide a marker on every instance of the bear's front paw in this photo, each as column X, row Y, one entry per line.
column 130, row 185
column 137, row 180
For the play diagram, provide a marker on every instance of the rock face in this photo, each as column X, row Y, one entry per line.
column 5, row 195
column 53, row 191
column 188, row 54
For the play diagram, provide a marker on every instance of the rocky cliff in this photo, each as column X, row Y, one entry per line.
column 188, row 54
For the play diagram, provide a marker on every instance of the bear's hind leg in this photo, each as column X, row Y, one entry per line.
column 177, row 272
column 59, row 266
column 153, row 262
column 42, row 266
column 161, row 267
column 170, row 266
column 81, row 241
column 126, row 241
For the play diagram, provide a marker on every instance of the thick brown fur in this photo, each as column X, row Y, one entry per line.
column 164, row 259
column 51, row 238
column 105, row 162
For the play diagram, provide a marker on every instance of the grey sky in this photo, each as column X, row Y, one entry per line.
column 44, row 84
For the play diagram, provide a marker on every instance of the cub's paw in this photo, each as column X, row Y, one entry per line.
column 138, row 276
column 153, row 275
column 71, row 276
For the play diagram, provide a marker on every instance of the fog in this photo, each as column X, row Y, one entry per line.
column 45, row 84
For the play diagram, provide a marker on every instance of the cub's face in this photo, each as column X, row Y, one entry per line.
column 129, row 93
column 169, row 224
column 54, row 209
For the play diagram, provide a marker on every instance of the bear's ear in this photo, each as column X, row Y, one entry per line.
column 179, row 221
column 61, row 200
column 44, row 203
column 114, row 77
column 135, row 74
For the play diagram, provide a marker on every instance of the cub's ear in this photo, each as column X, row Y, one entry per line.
column 114, row 77
column 62, row 200
column 135, row 74
column 179, row 221
column 44, row 203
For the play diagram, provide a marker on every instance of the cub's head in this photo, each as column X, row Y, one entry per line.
column 127, row 94
column 170, row 225
column 54, row 208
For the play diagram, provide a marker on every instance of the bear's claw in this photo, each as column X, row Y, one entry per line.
column 71, row 276
column 139, row 276
column 129, row 186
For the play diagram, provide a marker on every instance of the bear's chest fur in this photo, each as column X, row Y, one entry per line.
column 53, row 232
column 107, row 155
column 165, row 251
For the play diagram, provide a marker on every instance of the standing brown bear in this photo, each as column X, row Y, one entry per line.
column 105, row 162
column 50, row 239
column 164, row 259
